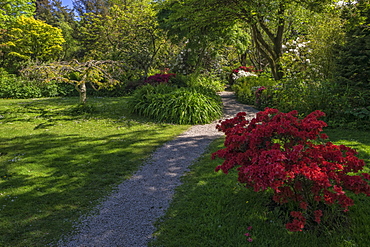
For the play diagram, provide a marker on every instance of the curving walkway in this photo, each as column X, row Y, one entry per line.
column 126, row 217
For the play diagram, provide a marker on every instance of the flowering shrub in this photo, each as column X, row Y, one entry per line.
column 246, row 69
column 243, row 71
column 159, row 78
column 289, row 155
column 261, row 97
column 254, row 90
column 297, row 60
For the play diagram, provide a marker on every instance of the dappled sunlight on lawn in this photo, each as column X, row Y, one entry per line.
column 55, row 166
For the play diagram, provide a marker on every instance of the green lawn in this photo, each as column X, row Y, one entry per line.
column 212, row 209
column 56, row 162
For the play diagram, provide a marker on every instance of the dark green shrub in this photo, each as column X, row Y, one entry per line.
column 205, row 83
column 355, row 113
column 307, row 96
column 345, row 107
column 353, row 58
column 12, row 86
column 245, row 88
column 165, row 103
column 180, row 80
column 65, row 89
column 208, row 83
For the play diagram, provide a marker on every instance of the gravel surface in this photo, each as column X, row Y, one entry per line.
column 126, row 217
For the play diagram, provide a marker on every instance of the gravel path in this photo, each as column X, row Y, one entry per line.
column 126, row 217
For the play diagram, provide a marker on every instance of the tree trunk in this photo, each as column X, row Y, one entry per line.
column 269, row 42
column 83, row 93
column 243, row 58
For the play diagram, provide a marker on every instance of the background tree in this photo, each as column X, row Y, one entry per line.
column 44, row 11
column 308, row 51
column 199, row 48
column 54, row 13
column 31, row 40
column 11, row 9
column 128, row 33
column 98, row 7
column 354, row 56
column 267, row 21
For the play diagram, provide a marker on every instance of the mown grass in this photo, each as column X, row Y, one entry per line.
column 57, row 161
column 212, row 209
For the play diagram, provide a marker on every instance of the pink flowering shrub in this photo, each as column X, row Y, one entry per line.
column 290, row 155
column 261, row 97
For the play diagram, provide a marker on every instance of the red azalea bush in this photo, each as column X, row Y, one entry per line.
column 289, row 155
column 159, row 78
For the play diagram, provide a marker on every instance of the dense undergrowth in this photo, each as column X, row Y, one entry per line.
column 344, row 106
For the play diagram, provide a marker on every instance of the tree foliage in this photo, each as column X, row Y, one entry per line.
column 11, row 9
column 354, row 55
column 267, row 21
column 308, row 54
column 99, row 7
column 30, row 39
column 53, row 12
column 128, row 33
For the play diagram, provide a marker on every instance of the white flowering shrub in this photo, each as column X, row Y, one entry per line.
column 296, row 59
column 243, row 71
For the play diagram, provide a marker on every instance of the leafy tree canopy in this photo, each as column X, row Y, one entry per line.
column 127, row 33
column 354, row 56
column 53, row 12
column 11, row 9
column 30, row 39
column 266, row 19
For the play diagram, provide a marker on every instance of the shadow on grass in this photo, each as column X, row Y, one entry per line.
column 50, row 111
column 56, row 178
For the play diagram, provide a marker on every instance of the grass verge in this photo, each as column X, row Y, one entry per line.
column 213, row 209
column 58, row 159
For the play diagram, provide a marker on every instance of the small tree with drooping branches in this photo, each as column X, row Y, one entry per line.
column 98, row 74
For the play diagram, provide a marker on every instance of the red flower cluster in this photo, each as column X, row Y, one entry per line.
column 279, row 151
column 317, row 214
column 298, row 222
column 159, row 78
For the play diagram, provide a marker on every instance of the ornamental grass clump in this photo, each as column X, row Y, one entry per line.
column 169, row 104
column 291, row 156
